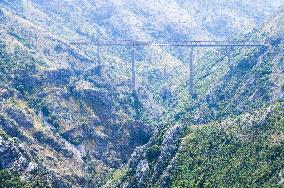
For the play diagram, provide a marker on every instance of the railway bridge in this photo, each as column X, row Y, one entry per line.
column 188, row 44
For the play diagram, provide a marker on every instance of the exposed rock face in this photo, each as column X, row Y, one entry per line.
column 5, row 93
column 11, row 129
column 166, row 177
column 106, row 142
column 141, row 173
column 281, row 176
column 99, row 99
column 168, row 149
column 136, row 156
column 13, row 157
column 158, row 172
column 65, row 119
column 116, row 148
column 51, row 142
column 16, row 158
column 20, row 117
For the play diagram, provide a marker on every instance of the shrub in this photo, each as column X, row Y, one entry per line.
column 153, row 153
column 8, row 180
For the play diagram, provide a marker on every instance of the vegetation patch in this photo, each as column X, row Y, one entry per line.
column 232, row 154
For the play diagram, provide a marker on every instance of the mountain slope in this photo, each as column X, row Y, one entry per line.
column 238, row 137
column 68, row 121
column 240, row 152
column 67, row 115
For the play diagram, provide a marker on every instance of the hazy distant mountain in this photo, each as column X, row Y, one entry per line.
column 161, row 20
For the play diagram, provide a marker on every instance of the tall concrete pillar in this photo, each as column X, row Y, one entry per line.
column 133, row 76
column 228, row 52
column 191, row 72
column 99, row 54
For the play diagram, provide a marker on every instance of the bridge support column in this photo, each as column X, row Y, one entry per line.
column 99, row 67
column 150, row 56
column 133, row 76
column 191, row 73
column 228, row 53
column 99, row 54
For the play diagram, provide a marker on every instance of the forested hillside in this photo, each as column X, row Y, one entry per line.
column 70, row 120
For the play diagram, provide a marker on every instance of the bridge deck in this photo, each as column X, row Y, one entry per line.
column 178, row 43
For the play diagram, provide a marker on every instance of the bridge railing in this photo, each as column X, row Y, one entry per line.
column 209, row 43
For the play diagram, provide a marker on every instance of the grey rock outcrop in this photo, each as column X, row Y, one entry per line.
column 158, row 171
column 5, row 93
column 12, row 156
column 20, row 117
column 11, row 129
column 168, row 149
column 141, row 173
column 281, row 176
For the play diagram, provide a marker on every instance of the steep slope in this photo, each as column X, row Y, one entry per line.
column 238, row 137
column 246, row 151
column 237, row 152
column 161, row 72
column 70, row 119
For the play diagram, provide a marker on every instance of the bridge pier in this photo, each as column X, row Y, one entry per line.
column 191, row 73
column 228, row 53
column 133, row 76
column 150, row 55
column 99, row 54
column 99, row 67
